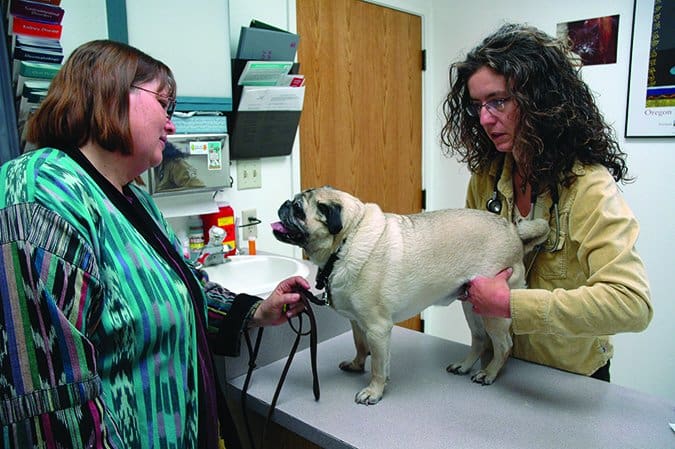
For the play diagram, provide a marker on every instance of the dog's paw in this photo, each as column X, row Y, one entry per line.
column 457, row 368
column 352, row 367
column 483, row 378
column 368, row 396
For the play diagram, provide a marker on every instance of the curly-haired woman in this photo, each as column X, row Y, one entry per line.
column 536, row 144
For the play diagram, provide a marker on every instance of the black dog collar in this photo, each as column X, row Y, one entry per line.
column 323, row 275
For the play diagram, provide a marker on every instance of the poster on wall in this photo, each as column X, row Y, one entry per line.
column 593, row 40
column 650, row 110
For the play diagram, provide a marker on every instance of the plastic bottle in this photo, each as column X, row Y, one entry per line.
column 184, row 243
column 195, row 236
column 251, row 246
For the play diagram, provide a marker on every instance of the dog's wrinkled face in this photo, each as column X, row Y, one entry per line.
column 312, row 218
column 291, row 229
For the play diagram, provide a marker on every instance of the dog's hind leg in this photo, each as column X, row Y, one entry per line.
column 499, row 331
column 379, row 340
column 362, row 350
column 479, row 342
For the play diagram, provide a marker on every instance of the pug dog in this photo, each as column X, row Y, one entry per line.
column 381, row 268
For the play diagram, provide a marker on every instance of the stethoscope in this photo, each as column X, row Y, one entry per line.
column 494, row 205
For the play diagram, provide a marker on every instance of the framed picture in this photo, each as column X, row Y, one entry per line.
column 593, row 40
column 650, row 110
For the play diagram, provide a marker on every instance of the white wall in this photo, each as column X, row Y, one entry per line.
column 83, row 20
column 175, row 31
column 644, row 361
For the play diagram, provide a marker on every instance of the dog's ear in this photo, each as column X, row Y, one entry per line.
column 333, row 214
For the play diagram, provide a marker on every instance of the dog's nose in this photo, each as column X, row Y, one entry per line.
column 284, row 207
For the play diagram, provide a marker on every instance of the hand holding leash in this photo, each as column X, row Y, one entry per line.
column 283, row 303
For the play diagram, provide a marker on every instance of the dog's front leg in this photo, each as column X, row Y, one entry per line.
column 379, row 338
column 358, row 364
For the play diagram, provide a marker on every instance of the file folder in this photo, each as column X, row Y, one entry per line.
column 266, row 45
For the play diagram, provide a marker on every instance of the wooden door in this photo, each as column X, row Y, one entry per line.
column 361, row 125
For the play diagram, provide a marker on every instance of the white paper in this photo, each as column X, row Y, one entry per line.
column 264, row 73
column 272, row 98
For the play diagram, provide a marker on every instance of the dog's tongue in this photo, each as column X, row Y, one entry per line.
column 279, row 227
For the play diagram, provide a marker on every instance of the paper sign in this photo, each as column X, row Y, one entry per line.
column 202, row 148
column 272, row 98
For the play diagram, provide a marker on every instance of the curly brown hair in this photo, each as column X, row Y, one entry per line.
column 559, row 120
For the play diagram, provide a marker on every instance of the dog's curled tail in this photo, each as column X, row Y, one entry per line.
column 532, row 233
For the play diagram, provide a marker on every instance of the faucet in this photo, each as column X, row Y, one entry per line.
column 214, row 252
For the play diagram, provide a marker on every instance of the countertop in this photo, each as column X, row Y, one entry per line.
column 529, row 406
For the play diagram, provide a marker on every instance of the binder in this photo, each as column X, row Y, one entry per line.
column 267, row 45
column 27, row 27
column 34, row 71
column 40, row 12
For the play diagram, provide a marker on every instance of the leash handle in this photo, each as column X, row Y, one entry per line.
column 306, row 297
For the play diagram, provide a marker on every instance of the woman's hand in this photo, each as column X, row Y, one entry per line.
column 491, row 297
column 282, row 304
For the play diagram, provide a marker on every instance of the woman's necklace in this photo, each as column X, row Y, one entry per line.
column 522, row 193
column 518, row 181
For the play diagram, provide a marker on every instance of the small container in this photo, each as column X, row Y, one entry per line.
column 251, row 246
column 195, row 236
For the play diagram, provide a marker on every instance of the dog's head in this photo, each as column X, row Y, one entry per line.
column 316, row 219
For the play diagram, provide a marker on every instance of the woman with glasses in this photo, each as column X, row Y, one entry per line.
column 106, row 331
column 527, row 126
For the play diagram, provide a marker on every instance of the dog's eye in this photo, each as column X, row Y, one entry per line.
column 298, row 210
column 323, row 209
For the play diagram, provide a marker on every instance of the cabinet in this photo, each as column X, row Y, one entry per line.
column 192, row 163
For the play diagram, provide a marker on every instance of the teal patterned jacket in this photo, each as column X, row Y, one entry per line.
column 97, row 332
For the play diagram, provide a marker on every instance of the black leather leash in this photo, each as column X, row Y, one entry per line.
column 306, row 298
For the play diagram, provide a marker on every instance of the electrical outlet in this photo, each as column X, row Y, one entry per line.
column 248, row 231
column 249, row 175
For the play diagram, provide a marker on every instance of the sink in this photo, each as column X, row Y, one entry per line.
column 256, row 275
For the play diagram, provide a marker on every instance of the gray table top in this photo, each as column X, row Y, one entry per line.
column 529, row 406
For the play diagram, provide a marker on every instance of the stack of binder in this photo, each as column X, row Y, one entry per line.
column 267, row 92
column 35, row 30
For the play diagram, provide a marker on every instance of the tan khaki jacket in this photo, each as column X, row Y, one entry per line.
column 591, row 286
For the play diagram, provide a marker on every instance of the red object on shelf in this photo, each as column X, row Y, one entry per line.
column 224, row 219
column 27, row 27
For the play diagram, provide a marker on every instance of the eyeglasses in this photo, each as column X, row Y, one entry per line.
column 497, row 105
column 169, row 104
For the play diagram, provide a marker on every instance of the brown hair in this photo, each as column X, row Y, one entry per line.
column 88, row 99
